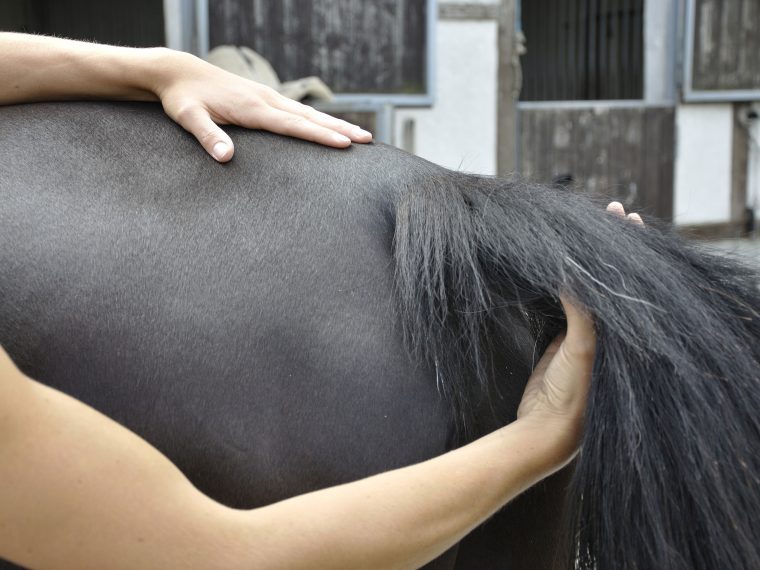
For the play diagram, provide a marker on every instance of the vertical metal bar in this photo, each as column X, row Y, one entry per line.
column 688, row 49
column 593, row 48
column 201, row 28
column 625, row 48
column 582, row 59
column 384, row 123
column 570, row 11
column 179, row 24
column 172, row 25
column 615, row 47
column 561, row 54
column 638, row 50
column 551, row 59
column 602, row 59
column 430, row 49
column 530, row 79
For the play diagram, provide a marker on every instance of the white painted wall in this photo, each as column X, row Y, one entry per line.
column 703, row 163
column 459, row 130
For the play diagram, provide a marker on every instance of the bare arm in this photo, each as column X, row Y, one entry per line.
column 79, row 491
column 196, row 94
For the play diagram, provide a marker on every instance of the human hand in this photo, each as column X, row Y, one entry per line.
column 617, row 209
column 556, row 393
column 555, row 396
column 200, row 96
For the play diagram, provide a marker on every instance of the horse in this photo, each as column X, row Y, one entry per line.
column 304, row 316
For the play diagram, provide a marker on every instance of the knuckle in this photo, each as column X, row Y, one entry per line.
column 186, row 112
column 266, row 92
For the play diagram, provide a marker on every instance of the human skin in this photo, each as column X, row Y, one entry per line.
column 196, row 94
column 80, row 491
column 77, row 490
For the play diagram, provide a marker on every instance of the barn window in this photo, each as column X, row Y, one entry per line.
column 722, row 51
column 582, row 49
column 378, row 47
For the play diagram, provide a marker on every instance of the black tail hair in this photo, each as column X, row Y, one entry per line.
column 668, row 472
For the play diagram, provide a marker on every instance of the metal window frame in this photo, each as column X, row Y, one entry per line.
column 196, row 13
column 592, row 104
column 691, row 95
column 186, row 25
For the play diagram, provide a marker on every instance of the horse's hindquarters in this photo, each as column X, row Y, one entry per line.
column 237, row 317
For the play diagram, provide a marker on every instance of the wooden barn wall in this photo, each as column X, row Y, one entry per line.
column 353, row 45
column 620, row 153
column 138, row 23
column 726, row 45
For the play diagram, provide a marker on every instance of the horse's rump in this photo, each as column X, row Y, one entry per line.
column 249, row 321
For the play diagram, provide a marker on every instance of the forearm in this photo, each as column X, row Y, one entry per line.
column 403, row 519
column 79, row 491
column 40, row 68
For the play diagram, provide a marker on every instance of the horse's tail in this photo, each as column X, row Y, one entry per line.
column 669, row 469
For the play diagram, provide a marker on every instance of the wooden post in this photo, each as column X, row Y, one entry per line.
column 509, row 82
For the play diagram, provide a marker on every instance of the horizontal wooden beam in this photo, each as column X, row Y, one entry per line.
column 475, row 12
column 720, row 230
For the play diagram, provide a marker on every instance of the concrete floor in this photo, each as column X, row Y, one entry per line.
column 747, row 249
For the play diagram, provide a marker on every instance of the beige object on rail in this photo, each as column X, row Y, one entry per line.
column 245, row 62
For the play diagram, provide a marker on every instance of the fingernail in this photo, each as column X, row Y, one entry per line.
column 358, row 132
column 219, row 150
column 340, row 139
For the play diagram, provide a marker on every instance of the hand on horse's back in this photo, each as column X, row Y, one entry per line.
column 200, row 96
column 197, row 95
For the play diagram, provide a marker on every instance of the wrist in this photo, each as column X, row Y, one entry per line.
column 162, row 68
column 554, row 441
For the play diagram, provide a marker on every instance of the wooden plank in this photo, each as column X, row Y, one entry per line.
column 509, row 78
column 620, row 153
column 740, row 146
column 354, row 46
column 460, row 12
column 726, row 54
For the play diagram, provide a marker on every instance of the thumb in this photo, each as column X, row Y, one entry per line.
column 216, row 142
column 580, row 339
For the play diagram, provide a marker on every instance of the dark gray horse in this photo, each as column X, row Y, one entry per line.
column 305, row 316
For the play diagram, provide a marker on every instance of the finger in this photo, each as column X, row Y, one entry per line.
column 216, row 142
column 354, row 132
column 297, row 126
column 635, row 218
column 548, row 355
column 581, row 337
column 616, row 208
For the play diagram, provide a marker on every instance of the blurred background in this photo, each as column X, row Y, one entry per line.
column 654, row 103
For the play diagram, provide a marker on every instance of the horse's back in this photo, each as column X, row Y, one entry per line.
column 239, row 317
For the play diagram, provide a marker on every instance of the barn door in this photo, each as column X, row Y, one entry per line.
column 583, row 119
